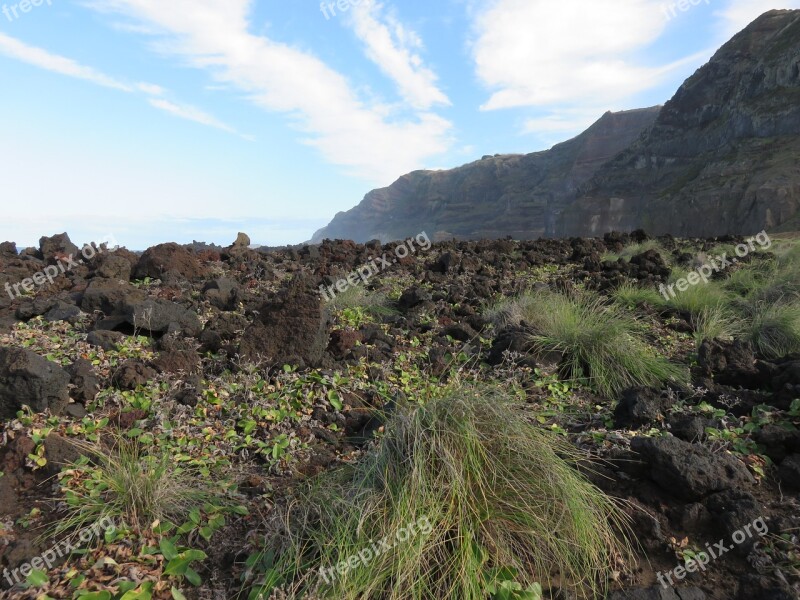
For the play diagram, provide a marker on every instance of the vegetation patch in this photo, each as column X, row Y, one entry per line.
column 503, row 505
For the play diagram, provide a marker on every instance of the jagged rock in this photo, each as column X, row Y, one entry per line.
column 177, row 361
column 732, row 510
column 689, row 471
column 778, row 442
column 222, row 293
column 162, row 316
column 510, row 339
column 27, row 378
column 109, row 296
column 63, row 311
column 34, row 308
column 59, row 452
column 84, row 379
column 242, row 241
column 789, row 472
column 343, row 341
column 413, row 296
column 159, row 260
column 222, row 329
column 8, row 250
column 730, row 363
column 292, row 328
column 55, row 248
column 641, row 406
column 107, row 340
column 114, row 266
column 131, row 374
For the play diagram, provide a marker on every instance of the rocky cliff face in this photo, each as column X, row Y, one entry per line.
column 722, row 156
column 516, row 195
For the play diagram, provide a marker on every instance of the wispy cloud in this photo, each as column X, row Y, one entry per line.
column 191, row 113
column 43, row 59
column 369, row 139
column 394, row 48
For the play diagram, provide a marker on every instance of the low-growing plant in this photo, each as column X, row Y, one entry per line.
column 634, row 249
column 697, row 299
column 631, row 295
column 718, row 322
column 773, row 328
column 600, row 343
column 504, row 504
column 126, row 483
column 357, row 298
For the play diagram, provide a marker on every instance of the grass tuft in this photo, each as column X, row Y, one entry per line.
column 628, row 252
column 125, row 483
column 491, row 496
column 600, row 343
column 377, row 304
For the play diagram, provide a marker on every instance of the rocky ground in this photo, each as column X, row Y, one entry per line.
column 232, row 362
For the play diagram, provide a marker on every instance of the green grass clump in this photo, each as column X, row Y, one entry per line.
column 129, row 485
column 717, row 322
column 376, row 304
column 632, row 296
column 600, row 343
column 773, row 328
column 632, row 250
column 491, row 497
column 697, row 299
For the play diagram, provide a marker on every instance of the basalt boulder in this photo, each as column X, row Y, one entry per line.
column 291, row 328
column 27, row 378
column 159, row 260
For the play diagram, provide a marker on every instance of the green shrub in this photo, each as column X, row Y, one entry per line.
column 499, row 499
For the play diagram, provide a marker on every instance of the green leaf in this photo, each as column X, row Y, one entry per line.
column 177, row 594
column 145, row 593
column 335, row 400
column 104, row 595
column 127, row 586
column 168, row 549
column 180, row 564
column 37, row 578
column 193, row 577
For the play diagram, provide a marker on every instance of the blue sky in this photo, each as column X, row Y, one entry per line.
column 181, row 120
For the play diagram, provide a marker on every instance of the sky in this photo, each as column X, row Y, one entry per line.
column 180, row 120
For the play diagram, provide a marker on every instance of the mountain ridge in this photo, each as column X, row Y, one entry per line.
column 719, row 157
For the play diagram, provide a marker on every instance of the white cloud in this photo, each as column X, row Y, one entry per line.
column 532, row 53
column 369, row 140
column 43, row 59
column 738, row 14
column 393, row 47
column 191, row 113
